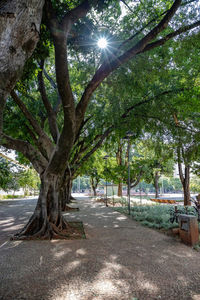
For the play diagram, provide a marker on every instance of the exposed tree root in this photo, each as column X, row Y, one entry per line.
column 68, row 208
column 48, row 231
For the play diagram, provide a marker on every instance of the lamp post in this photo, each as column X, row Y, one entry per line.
column 127, row 137
column 79, row 184
column 105, row 158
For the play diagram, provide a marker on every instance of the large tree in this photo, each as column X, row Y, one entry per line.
column 50, row 151
column 19, row 33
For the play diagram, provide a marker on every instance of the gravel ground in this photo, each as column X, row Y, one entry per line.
column 120, row 259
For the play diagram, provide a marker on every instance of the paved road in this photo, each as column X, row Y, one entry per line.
column 13, row 215
column 119, row 260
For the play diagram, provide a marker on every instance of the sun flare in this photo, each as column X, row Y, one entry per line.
column 102, row 43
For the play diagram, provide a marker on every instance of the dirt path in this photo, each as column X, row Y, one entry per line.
column 119, row 260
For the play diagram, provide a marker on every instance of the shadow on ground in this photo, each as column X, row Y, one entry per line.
column 119, row 260
column 14, row 215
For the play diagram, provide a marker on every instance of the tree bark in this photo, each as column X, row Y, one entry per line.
column 94, row 190
column 94, row 183
column 119, row 192
column 66, row 189
column 47, row 221
column 185, row 178
column 156, row 178
column 19, row 34
column 186, row 186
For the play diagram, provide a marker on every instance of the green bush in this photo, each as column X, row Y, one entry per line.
column 145, row 223
column 12, row 196
column 155, row 216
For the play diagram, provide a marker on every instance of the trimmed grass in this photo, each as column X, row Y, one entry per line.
column 143, row 197
column 10, row 196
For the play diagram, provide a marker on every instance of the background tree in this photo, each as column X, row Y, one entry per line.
column 157, row 158
column 28, row 179
column 94, row 168
column 6, row 177
column 195, row 184
column 84, row 183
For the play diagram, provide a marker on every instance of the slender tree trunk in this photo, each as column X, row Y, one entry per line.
column 185, row 178
column 94, row 183
column 156, row 178
column 186, row 192
column 119, row 192
column 94, row 190
column 186, row 186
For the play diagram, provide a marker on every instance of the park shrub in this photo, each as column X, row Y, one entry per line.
column 155, row 216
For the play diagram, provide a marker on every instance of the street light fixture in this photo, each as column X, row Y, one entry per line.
column 105, row 158
column 129, row 134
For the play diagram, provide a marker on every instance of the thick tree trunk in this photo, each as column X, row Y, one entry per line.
column 119, row 191
column 156, row 178
column 47, row 221
column 19, row 33
column 186, row 192
column 68, row 190
column 65, row 192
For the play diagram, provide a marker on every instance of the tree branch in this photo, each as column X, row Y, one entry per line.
column 147, row 24
column 50, row 112
column 68, row 131
column 38, row 161
column 54, row 86
column 136, row 181
column 81, row 127
column 124, row 115
column 170, row 36
column 43, row 138
column 180, row 165
column 123, row 1
column 36, row 142
column 59, row 34
column 107, row 68
column 73, row 15
column 98, row 144
column 149, row 100
column 80, row 150
column 141, row 30
column 40, row 114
